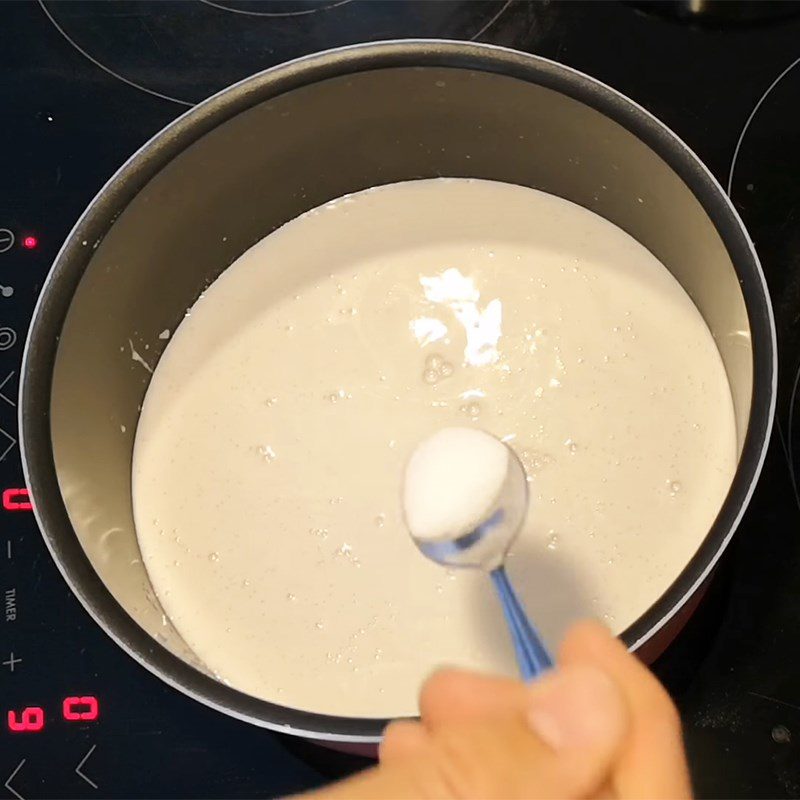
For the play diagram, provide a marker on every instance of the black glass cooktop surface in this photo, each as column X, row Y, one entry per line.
column 83, row 84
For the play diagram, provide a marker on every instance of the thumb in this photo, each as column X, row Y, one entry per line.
column 581, row 717
column 557, row 738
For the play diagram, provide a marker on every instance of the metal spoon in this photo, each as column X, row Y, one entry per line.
column 484, row 545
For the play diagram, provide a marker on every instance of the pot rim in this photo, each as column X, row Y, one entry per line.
column 72, row 259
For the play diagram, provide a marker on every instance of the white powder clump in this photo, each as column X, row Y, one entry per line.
column 452, row 479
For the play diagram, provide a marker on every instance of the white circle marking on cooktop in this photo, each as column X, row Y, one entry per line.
column 302, row 13
column 161, row 95
column 750, row 119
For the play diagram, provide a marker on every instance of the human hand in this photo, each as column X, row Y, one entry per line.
column 599, row 726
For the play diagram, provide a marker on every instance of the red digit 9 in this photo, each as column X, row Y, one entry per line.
column 30, row 719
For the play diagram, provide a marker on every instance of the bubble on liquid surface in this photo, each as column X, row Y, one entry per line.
column 534, row 461
column 213, row 556
column 339, row 394
column 471, row 410
column 434, row 362
column 436, row 368
column 552, row 540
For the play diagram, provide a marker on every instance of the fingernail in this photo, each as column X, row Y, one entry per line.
column 577, row 708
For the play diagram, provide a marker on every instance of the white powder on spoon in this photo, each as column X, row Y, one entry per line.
column 452, row 479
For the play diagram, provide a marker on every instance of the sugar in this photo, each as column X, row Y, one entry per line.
column 452, row 479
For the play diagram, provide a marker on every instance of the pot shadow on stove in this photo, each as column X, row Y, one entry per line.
column 331, row 764
column 551, row 591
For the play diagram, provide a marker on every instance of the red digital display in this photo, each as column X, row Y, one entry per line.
column 83, row 708
column 16, row 500
column 28, row 720
column 80, row 708
column 30, row 242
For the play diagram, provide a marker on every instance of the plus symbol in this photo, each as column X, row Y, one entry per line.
column 11, row 662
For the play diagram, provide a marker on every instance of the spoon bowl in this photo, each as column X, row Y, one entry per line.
column 465, row 497
column 485, row 545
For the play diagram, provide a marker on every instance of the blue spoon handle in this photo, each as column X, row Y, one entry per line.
column 532, row 656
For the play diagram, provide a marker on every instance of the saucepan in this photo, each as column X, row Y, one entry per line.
column 265, row 150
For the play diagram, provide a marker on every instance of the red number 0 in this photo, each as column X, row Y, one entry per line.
column 16, row 500
column 85, row 708
column 32, row 719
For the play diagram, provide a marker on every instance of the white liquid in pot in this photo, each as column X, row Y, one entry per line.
column 272, row 442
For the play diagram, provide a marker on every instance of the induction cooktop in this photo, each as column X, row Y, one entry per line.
column 83, row 84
